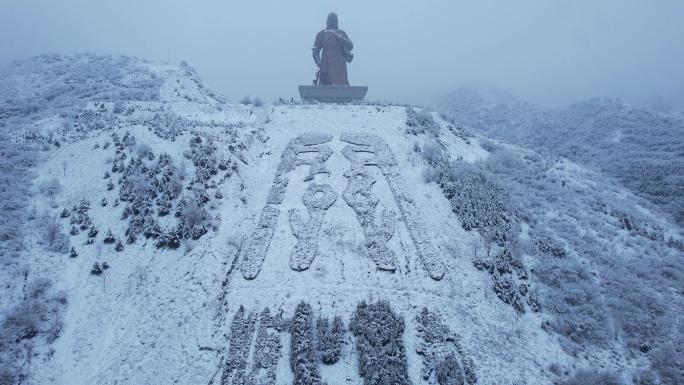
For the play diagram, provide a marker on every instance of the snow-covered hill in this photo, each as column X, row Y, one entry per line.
column 156, row 233
column 643, row 149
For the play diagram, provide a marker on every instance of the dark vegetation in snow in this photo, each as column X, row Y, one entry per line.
column 482, row 204
column 241, row 332
column 444, row 358
column 562, row 262
column 152, row 186
column 595, row 293
column 84, row 77
column 75, row 95
column 421, row 122
column 34, row 320
column 379, row 344
column 330, row 339
column 303, row 357
column 31, row 314
column 267, row 350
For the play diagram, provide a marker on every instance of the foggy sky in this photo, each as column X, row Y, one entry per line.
column 552, row 52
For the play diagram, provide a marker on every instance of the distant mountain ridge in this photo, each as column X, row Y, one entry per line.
column 642, row 148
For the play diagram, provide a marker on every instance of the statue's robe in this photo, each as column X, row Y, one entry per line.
column 331, row 45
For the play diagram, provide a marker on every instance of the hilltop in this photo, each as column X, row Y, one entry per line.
column 158, row 233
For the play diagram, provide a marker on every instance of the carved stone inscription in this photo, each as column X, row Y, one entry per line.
column 255, row 253
column 384, row 159
column 317, row 199
column 376, row 220
column 377, row 228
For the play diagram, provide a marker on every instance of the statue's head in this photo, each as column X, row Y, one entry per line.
column 332, row 21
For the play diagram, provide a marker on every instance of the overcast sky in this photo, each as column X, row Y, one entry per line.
column 552, row 52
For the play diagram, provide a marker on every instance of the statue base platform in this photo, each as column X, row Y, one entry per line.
column 332, row 94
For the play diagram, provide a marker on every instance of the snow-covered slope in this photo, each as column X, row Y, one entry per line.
column 639, row 147
column 448, row 257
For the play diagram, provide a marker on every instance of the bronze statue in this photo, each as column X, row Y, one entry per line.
column 336, row 47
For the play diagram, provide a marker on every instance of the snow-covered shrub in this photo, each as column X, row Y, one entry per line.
column 549, row 247
column 442, row 352
column 478, row 201
column 192, row 213
column 509, row 277
column 489, row 145
column 594, row 377
column 151, row 187
column 448, row 371
column 505, row 162
column 430, row 174
column 509, row 291
column 36, row 317
column 50, row 187
column 144, row 150
column 241, row 332
column 574, row 298
column 55, row 239
column 330, row 339
column 16, row 172
column 267, row 349
column 378, row 331
column 303, row 360
column 119, row 107
column 432, row 152
column 128, row 141
column 668, row 361
column 96, row 270
column 421, row 122
column 257, row 102
column 202, row 153
column 109, row 238
column 246, row 100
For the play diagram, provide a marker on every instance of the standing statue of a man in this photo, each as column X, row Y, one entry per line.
column 336, row 48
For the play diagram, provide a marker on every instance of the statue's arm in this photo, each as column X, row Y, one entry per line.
column 344, row 40
column 318, row 46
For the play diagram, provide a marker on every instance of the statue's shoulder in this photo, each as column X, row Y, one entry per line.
column 320, row 35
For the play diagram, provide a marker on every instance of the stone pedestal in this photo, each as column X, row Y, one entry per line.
column 332, row 94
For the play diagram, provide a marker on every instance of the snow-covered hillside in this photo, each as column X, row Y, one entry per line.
column 643, row 149
column 157, row 233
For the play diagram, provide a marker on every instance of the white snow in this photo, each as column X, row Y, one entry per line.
column 163, row 316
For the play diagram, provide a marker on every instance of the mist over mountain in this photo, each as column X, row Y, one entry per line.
column 155, row 233
column 642, row 148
